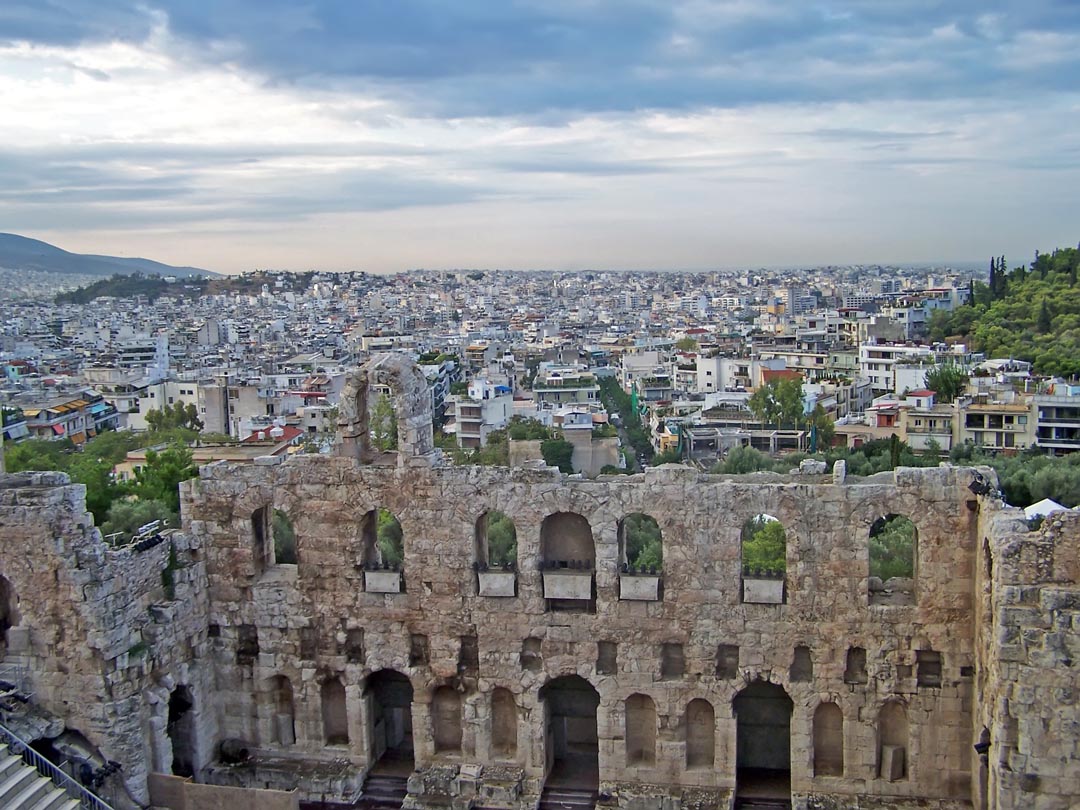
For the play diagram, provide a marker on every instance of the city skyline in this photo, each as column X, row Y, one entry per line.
column 559, row 135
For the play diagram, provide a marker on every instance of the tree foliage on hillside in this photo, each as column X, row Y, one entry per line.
column 778, row 402
column 764, row 545
column 1028, row 313
column 170, row 417
column 892, row 547
column 643, row 547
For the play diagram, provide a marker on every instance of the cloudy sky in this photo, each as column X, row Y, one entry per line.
column 390, row 134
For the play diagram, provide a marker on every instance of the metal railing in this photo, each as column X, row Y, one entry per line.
column 20, row 748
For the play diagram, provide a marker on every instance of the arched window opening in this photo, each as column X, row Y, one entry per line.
column 568, row 557
column 383, row 421
column 446, row 720
column 496, row 541
column 763, row 741
column 893, row 552
column 764, row 560
column 641, row 547
column 828, row 740
column 802, row 665
column 383, row 540
column 388, row 697
column 855, row 666
column 700, row 734
column 566, row 541
column 892, row 742
column 284, row 539
column 181, row 731
column 282, row 717
column 334, row 713
column 504, row 723
column 640, row 730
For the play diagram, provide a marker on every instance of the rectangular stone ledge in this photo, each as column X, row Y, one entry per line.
column 763, row 591
column 568, row 585
column 639, row 587
column 497, row 583
column 382, row 581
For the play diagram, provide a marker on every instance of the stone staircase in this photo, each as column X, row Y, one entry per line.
column 762, row 804
column 23, row 788
column 383, row 792
column 567, row 798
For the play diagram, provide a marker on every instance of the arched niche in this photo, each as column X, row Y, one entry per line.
column 640, row 731
column 446, row 720
column 408, row 399
column 893, row 552
column 571, row 742
column 892, row 741
column 700, row 734
column 496, row 541
column 504, row 723
column 763, row 543
column 181, row 731
column 828, row 740
column 273, row 539
column 282, row 711
column 334, row 712
column 566, row 541
column 641, row 546
column 763, row 741
column 388, row 697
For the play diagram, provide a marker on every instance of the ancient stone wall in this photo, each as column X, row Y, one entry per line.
column 297, row 623
column 1027, row 720
column 103, row 639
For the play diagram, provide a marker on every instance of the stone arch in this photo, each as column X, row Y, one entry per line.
column 9, row 612
column 335, row 717
column 382, row 540
column 446, row 720
column 571, row 742
column 180, row 728
column 828, row 740
column 763, row 544
column 763, row 740
column 504, row 723
column 641, row 544
column 411, row 400
column 388, row 696
column 700, row 734
column 566, row 541
column 495, row 540
column 282, row 711
column 893, row 555
column 640, row 731
column 892, row 741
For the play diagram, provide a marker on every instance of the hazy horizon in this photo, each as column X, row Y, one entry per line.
column 547, row 135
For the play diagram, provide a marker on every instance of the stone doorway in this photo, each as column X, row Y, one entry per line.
column 571, row 746
column 763, row 742
column 388, row 696
column 181, row 730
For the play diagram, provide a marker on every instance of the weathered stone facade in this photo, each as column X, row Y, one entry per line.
column 677, row 699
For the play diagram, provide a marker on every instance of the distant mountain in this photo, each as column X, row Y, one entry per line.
column 20, row 253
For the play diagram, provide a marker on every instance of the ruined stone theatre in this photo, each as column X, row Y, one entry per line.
column 208, row 656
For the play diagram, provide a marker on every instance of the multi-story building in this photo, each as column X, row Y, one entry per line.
column 1057, row 414
column 485, row 408
column 563, row 385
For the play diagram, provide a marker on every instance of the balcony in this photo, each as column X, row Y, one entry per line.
column 571, row 583
column 382, row 581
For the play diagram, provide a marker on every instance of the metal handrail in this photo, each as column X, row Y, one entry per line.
column 21, row 748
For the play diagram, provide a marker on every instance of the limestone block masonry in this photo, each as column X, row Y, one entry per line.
column 966, row 698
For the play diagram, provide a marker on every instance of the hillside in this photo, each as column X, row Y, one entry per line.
column 21, row 253
column 1030, row 313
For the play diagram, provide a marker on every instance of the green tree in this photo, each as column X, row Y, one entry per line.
column 558, row 453
column 764, row 545
column 159, row 479
column 826, row 428
column 383, row 424
column 37, row 454
column 742, row 460
column 947, row 381
column 686, row 344
column 671, row 456
column 778, row 402
column 177, row 415
column 101, row 487
column 127, row 516
column 1044, row 324
column 892, row 548
column 388, row 537
column 501, row 540
column 643, row 547
column 284, row 538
